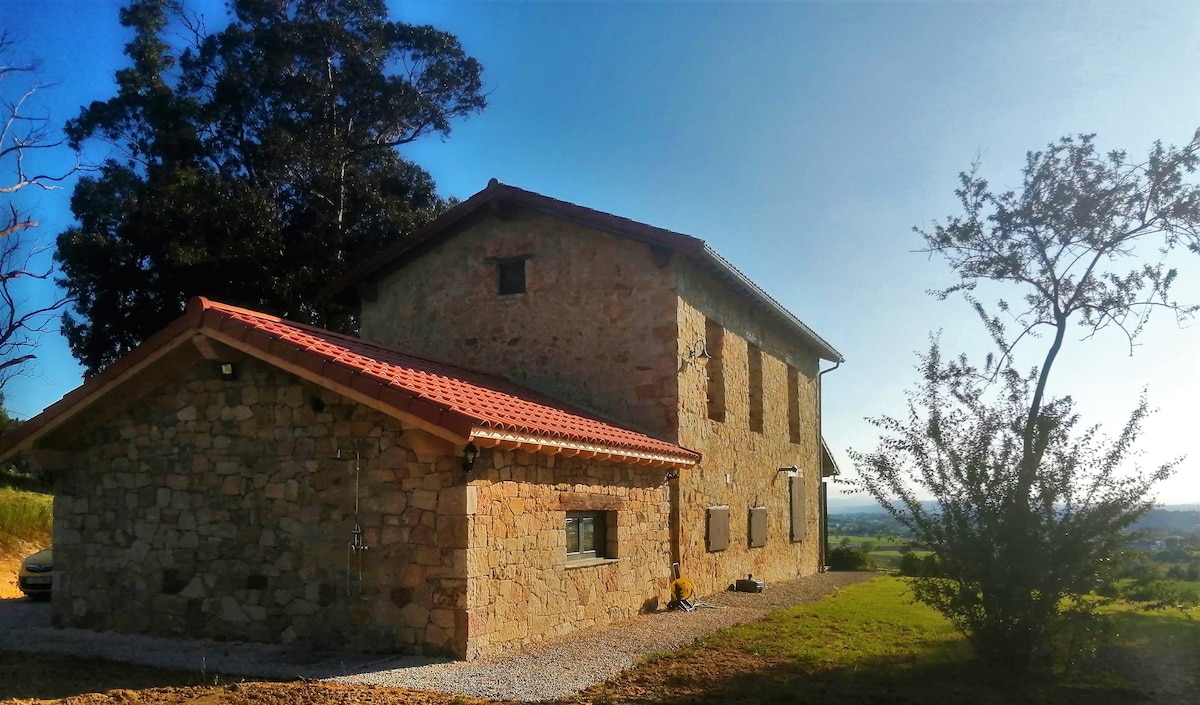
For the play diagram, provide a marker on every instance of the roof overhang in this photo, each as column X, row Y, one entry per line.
column 205, row 321
column 505, row 440
column 829, row 466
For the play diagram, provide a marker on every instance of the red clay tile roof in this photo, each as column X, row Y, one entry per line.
column 696, row 249
column 453, row 398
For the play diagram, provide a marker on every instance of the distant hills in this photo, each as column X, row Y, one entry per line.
column 853, row 517
column 858, row 505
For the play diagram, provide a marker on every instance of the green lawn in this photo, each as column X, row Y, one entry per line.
column 1191, row 587
column 871, row 644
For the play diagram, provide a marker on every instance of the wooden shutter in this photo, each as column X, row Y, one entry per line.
column 718, row 528
column 758, row 527
column 799, row 520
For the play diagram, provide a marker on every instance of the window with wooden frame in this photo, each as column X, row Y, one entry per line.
column 587, row 536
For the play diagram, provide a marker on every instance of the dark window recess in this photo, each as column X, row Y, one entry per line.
column 714, row 345
column 794, row 405
column 758, row 527
column 510, row 275
column 587, row 534
column 754, row 359
column 718, row 528
column 799, row 523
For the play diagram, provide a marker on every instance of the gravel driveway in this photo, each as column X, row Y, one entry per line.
column 562, row 667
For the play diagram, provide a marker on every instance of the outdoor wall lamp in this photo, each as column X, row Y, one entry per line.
column 470, row 453
column 228, row 370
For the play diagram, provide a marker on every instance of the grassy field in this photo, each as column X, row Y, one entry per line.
column 884, row 553
column 867, row 644
column 1183, row 585
column 871, row 643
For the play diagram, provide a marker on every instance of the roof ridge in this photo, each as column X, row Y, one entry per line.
column 688, row 245
column 699, row 242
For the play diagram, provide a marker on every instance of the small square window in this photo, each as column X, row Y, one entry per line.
column 586, row 535
column 510, row 277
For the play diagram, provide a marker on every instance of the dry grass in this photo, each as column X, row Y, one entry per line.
column 25, row 517
column 25, row 525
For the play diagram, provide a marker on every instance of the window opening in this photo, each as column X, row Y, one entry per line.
column 755, row 358
column 794, row 404
column 586, row 535
column 510, row 277
column 714, row 341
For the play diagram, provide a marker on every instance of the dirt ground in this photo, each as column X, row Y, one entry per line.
column 33, row 679
column 28, row 679
column 10, row 563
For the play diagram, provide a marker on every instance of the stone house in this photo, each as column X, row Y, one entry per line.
column 547, row 408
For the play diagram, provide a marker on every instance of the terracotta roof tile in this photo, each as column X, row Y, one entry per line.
column 437, row 392
column 448, row 396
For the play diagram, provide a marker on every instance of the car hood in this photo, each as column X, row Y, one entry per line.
column 46, row 556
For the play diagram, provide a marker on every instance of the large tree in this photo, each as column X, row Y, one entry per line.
column 253, row 164
column 26, row 138
column 1028, row 511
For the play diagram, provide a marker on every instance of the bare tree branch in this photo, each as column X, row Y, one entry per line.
column 24, row 319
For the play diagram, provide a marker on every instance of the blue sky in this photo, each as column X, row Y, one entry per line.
column 803, row 141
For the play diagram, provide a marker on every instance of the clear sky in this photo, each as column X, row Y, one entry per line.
column 803, row 141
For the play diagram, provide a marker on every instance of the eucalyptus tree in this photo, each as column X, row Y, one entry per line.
column 254, row 163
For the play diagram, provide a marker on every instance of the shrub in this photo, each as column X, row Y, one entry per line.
column 915, row 566
column 910, row 565
column 846, row 558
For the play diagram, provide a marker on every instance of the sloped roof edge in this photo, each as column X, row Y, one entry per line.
column 599, row 220
column 829, row 466
column 462, row 402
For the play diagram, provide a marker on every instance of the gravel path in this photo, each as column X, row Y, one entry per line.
column 545, row 671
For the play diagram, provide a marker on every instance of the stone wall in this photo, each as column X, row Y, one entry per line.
column 596, row 326
column 740, row 466
column 606, row 325
column 521, row 587
column 210, row 508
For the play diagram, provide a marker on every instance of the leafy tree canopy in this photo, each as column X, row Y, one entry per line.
column 7, row 423
column 254, row 164
column 1031, row 510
